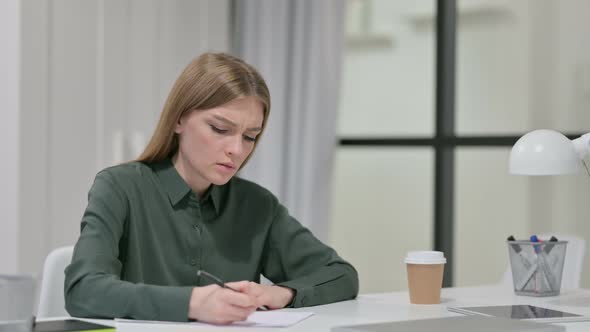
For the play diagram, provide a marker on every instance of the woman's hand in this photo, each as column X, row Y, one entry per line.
column 216, row 305
column 271, row 296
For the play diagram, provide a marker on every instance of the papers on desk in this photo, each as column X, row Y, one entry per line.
column 274, row 318
column 256, row 319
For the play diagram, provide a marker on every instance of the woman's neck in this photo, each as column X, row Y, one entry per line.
column 196, row 182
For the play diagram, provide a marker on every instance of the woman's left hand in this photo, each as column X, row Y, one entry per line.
column 271, row 296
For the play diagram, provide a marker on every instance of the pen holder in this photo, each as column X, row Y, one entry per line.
column 537, row 267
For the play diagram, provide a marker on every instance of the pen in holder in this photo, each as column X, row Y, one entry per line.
column 536, row 266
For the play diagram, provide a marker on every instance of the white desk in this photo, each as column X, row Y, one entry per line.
column 383, row 307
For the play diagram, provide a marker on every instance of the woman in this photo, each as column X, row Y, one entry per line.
column 152, row 224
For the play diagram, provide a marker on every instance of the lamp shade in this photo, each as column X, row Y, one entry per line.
column 544, row 152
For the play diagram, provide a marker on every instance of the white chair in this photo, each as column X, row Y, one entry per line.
column 572, row 267
column 51, row 297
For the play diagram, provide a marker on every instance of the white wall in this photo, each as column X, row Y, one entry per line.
column 9, row 132
column 34, row 221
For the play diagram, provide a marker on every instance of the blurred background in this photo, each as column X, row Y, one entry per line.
column 353, row 146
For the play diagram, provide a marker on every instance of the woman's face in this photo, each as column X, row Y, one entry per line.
column 214, row 143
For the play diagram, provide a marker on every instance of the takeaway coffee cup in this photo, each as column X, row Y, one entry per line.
column 425, row 276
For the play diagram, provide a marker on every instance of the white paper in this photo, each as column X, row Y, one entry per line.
column 256, row 319
column 274, row 318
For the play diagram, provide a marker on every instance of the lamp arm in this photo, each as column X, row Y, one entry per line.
column 582, row 145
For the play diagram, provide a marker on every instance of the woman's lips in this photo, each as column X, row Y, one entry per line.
column 226, row 168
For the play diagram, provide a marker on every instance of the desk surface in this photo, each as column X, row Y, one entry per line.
column 384, row 307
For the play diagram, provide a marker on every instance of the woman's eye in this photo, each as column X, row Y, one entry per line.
column 250, row 139
column 218, row 130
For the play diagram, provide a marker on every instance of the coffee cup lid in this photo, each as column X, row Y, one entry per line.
column 425, row 257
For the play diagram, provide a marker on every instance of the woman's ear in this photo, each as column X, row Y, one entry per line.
column 178, row 128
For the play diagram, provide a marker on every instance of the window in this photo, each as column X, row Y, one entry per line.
column 423, row 165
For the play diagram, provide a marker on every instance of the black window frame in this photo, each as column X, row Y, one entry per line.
column 445, row 140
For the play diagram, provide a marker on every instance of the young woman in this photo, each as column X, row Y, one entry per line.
column 152, row 224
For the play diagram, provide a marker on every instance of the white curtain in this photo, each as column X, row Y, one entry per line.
column 297, row 46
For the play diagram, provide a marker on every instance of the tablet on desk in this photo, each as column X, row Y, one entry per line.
column 521, row 311
column 454, row 324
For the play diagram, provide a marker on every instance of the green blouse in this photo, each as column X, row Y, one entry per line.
column 145, row 234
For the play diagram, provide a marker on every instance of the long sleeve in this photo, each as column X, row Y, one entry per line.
column 296, row 259
column 93, row 285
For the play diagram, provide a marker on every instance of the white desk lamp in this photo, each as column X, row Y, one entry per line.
column 548, row 152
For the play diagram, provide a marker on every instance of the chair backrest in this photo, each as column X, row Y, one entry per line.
column 572, row 267
column 51, row 297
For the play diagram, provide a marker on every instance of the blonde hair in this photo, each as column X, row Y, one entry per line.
column 209, row 81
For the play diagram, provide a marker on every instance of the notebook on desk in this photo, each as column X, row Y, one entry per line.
column 70, row 325
column 454, row 324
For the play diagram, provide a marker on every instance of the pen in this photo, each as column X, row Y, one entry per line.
column 542, row 261
column 548, row 247
column 535, row 239
column 220, row 283
column 529, row 274
column 215, row 279
column 531, row 268
column 518, row 250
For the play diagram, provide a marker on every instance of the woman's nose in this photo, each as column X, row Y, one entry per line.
column 235, row 146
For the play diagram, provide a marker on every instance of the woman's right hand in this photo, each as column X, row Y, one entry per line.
column 216, row 305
